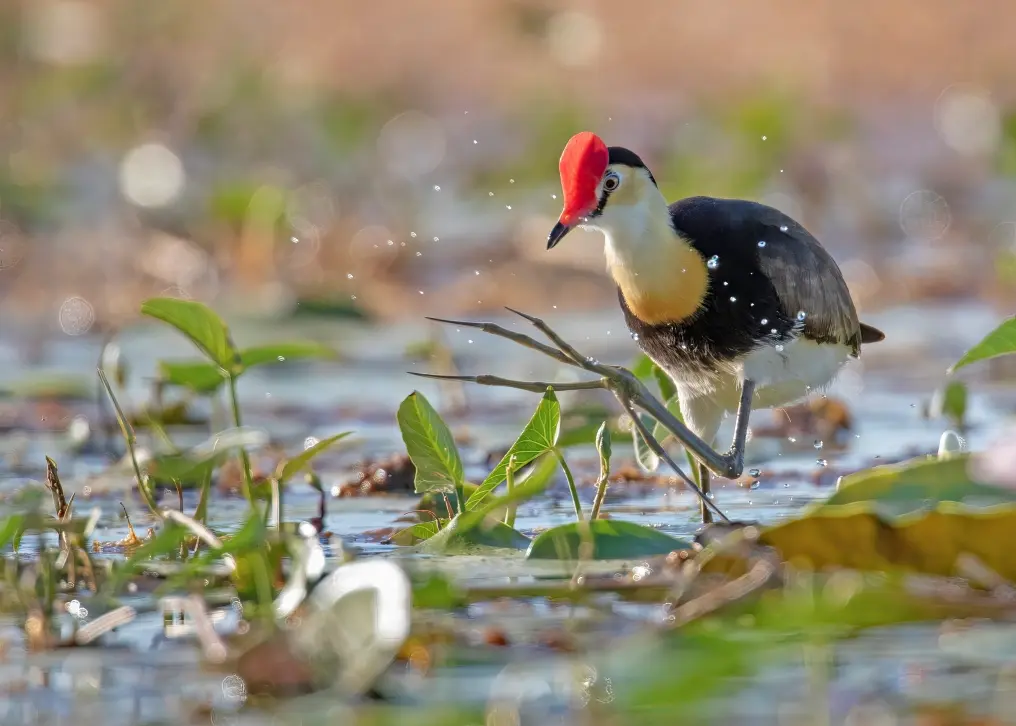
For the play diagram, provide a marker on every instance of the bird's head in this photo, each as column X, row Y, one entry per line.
column 603, row 186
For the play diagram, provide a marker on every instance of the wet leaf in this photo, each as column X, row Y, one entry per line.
column 645, row 456
column 537, row 438
column 611, row 540
column 430, row 446
column 293, row 466
column 1000, row 341
column 199, row 323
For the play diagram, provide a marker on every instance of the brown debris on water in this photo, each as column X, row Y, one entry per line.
column 394, row 475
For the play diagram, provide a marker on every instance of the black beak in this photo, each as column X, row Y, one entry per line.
column 557, row 234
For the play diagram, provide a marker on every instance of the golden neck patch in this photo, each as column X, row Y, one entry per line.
column 664, row 286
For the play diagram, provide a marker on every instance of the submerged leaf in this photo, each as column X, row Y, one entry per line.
column 1000, row 341
column 472, row 535
column 608, row 539
column 537, row 438
column 430, row 446
column 199, row 323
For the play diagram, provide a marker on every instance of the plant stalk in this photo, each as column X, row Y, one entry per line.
column 571, row 484
column 509, row 515
column 131, row 440
column 248, row 477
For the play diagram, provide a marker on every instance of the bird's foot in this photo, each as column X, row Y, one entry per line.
column 733, row 464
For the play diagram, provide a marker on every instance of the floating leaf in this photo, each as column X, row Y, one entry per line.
column 1000, row 341
column 430, row 446
column 610, row 539
column 485, row 533
column 293, row 466
column 199, row 323
column 898, row 489
column 537, row 438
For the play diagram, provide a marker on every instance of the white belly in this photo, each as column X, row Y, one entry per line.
column 782, row 377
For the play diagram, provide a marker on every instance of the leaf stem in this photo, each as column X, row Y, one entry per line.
column 571, row 483
column 509, row 514
column 248, row 478
column 131, row 440
column 601, row 493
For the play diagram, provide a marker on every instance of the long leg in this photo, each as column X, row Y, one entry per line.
column 704, row 474
column 736, row 453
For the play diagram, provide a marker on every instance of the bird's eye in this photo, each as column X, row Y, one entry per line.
column 611, row 182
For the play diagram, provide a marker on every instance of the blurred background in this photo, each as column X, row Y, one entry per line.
column 351, row 157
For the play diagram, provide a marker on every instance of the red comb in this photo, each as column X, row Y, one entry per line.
column 583, row 162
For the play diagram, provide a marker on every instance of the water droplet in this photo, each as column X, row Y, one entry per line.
column 281, row 358
column 437, row 239
column 822, row 462
column 437, row 188
column 772, row 330
column 391, row 243
column 801, row 315
column 763, row 138
column 507, row 206
column 420, row 291
column 413, row 235
column 469, row 341
column 511, row 181
column 476, row 271
column 783, row 228
column 819, row 443
column 725, row 283
column 553, row 196
column 349, row 276
column 490, row 194
column 419, row 254
column 475, row 141
column 791, row 439
column 294, row 240
column 765, row 320
column 713, row 262
column 733, row 299
column 761, row 243
column 634, row 336
column 754, row 485
column 710, row 495
column 779, row 347
column 755, row 472
column 352, row 297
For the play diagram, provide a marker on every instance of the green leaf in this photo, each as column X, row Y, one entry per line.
column 674, row 406
column 293, row 466
column 201, row 377
column 610, row 539
column 478, row 535
column 537, row 438
column 667, row 388
column 1000, row 341
column 435, row 501
column 199, row 323
column 645, row 456
column 950, row 402
column 166, row 542
column 192, row 466
column 603, row 446
column 642, row 367
column 416, row 534
column 430, row 446
column 271, row 353
column 9, row 527
column 204, row 378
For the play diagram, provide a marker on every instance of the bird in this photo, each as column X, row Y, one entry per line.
column 734, row 300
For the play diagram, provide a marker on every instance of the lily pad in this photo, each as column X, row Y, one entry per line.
column 610, row 539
